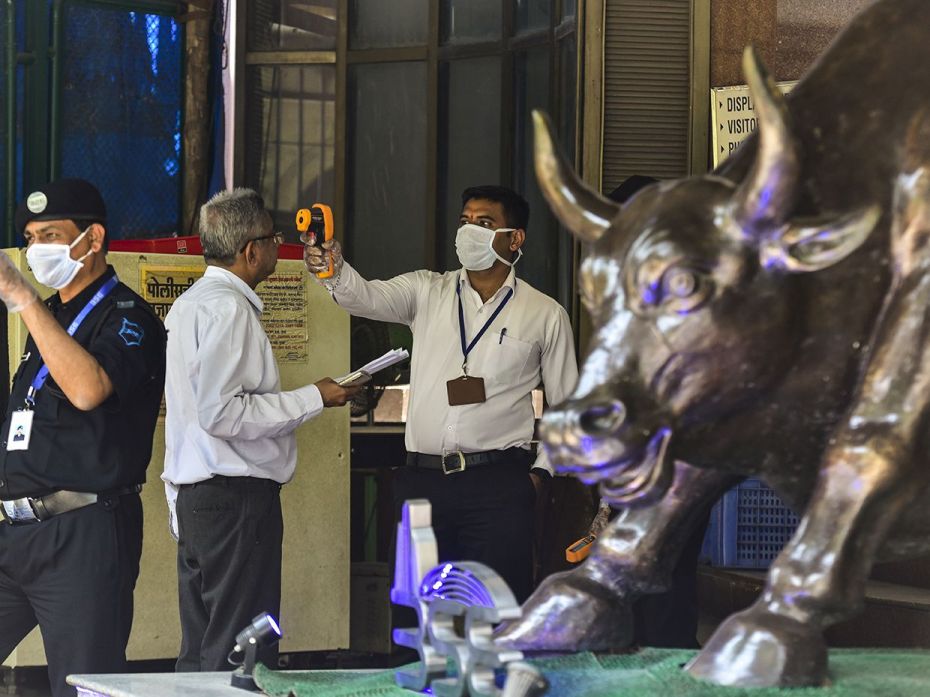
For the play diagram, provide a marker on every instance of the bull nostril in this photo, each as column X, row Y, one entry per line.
column 602, row 419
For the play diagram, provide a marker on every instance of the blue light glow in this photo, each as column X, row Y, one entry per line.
column 274, row 625
column 651, row 294
column 152, row 25
column 452, row 583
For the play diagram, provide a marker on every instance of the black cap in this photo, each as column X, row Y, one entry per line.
column 65, row 199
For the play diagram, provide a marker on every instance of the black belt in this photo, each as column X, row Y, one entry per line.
column 34, row 509
column 457, row 461
column 238, row 481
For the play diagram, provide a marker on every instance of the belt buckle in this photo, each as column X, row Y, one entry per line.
column 457, row 458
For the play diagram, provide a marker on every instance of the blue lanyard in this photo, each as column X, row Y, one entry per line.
column 38, row 382
column 467, row 349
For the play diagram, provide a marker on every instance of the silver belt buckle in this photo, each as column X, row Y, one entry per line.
column 453, row 462
column 19, row 511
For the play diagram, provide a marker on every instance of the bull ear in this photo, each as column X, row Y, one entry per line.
column 583, row 211
column 764, row 200
column 805, row 246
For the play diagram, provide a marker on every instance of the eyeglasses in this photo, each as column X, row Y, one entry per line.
column 278, row 238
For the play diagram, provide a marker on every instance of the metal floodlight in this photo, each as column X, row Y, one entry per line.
column 263, row 631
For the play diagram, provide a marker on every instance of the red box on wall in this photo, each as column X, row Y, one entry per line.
column 188, row 245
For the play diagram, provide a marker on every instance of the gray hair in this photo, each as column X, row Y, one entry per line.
column 228, row 221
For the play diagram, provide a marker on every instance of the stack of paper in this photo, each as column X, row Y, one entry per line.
column 363, row 374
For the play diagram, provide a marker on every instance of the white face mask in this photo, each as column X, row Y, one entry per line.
column 52, row 264
column 473, row 245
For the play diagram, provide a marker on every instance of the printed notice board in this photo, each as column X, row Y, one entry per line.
column 733, row 117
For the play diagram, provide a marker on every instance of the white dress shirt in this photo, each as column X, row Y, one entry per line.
column 226, row 413
column 528, row 342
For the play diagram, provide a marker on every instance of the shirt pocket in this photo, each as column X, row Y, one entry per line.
column 509, row 356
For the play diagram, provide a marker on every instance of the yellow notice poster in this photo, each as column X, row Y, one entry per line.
column 160, row 286
column 284, row 296
column 286, row 315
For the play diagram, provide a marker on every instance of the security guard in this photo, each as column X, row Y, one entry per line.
column 76, row 439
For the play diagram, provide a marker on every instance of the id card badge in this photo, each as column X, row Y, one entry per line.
column 20, row 430
column 465, row 390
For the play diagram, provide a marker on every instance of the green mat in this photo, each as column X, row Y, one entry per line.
column 853, row 673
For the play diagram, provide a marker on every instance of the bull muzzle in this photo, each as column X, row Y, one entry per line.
column 596, row 420
column 594, row 439
column 585, row 434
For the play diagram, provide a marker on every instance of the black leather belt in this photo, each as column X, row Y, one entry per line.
column 34, row 509
column 457, row 461
column 227, row 481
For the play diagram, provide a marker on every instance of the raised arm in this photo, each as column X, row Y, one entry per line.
column 394, row 300
column 76, row 371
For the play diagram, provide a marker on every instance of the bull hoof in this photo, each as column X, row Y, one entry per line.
column 569, row 612
column 756, row 648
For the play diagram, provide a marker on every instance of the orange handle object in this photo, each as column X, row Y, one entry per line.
column 318, row 219
column 579, row 549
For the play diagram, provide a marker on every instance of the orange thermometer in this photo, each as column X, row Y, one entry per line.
column 318, row 219
column 579, row 549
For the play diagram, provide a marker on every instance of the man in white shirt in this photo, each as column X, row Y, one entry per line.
column 482, row 341
column 229, row 434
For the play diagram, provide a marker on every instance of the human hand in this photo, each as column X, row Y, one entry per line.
column 318, row 257
column 15, row 291
column 334, row 394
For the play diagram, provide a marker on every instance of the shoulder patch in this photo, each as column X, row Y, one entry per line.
column 131, row 333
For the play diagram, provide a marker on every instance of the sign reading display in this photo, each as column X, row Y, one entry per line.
column 733, row 117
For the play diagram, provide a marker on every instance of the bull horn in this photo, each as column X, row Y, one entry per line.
column 583, row 211
column 765, row 198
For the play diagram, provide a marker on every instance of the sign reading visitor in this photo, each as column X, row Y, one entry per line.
column 733, row 117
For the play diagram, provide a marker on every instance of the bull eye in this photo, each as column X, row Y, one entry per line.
column 680, row 283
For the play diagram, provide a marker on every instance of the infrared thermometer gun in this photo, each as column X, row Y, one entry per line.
column 577, row 551
column 317, row 219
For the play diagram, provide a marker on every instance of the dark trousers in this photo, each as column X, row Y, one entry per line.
column 229, row 566
column 483, row 514
column 74, row 576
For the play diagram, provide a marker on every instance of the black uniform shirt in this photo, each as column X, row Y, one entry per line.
column 106, row 448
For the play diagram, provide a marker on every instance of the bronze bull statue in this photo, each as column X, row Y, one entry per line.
column 769, row 319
